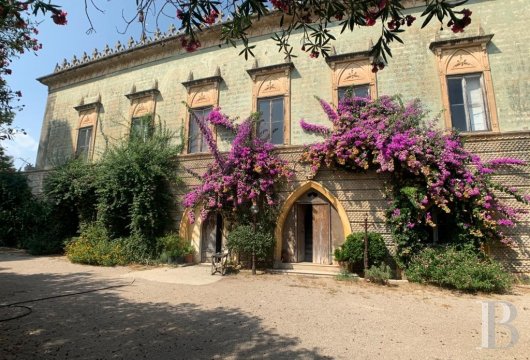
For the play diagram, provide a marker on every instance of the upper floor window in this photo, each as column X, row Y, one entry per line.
column 352, row 73
column 203, row 96
column 84, row 139
column 355, row 90
column 88, row 111
column 467, row 103
column 271, row 98
column 141, row 127
column 196, row 143
column 271, row 122
column 466, row 84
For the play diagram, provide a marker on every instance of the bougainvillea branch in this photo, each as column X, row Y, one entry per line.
column 248, row 174
column 313, row 128
column 433, row 179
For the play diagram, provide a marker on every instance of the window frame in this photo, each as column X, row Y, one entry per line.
column 274, row 81
column 353, row 87
column 461, row 57
column 88, row 111
column 201, row 135
column 466, row 101
column 350, row 70
column 271, row 98
column 88, row 145
column 201, row 93
column 147, row 126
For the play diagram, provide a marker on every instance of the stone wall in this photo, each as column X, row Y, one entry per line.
column 363, row 194
column 412, row 72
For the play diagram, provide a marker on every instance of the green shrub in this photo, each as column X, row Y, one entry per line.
column 134, row 186
column 70, row 190
column 461, row 269
column 93, row 247
column 170, row 247
column 244, row 240
column 138, row 249
column 378, row 274
column 352, row 250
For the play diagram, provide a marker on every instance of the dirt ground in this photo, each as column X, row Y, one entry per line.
column 167, row 316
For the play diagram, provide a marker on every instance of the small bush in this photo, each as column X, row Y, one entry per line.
column 93, row 247
column 464, row 270
column 378, row 274
column 352, row 250
column 244, row 240
column 138, row 249
column 170, row 247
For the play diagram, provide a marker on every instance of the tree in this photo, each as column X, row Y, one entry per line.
column 18, row 35
column 312, row 17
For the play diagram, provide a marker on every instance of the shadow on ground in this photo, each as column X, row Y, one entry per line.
column 103, row 325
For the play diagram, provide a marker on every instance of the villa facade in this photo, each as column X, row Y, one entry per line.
column 477, row 81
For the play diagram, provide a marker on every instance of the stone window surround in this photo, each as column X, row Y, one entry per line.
column 465, row 56
column 351, row 69
column 88, row 117
column 202, row 93
column 142, row 103
column 274, row 81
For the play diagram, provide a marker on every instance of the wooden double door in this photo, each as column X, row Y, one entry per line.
column 311, row 232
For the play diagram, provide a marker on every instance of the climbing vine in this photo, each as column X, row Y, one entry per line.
column 433, row 183
column 248, row 174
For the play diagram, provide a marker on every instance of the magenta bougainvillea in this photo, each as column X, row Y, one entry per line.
column 434, row 182
column 246, row 175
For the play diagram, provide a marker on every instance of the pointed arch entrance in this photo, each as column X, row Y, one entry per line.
column 206, row 236
column 311, row 224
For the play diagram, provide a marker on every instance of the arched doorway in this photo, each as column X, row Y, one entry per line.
column 211, row 236
column 311, row 225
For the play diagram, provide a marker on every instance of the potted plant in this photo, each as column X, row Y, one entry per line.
column 188, row 251
column 342, row 258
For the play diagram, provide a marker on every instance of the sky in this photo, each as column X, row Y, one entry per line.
column 61, row 42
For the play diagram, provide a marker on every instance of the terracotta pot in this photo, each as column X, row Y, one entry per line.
column 188, row 258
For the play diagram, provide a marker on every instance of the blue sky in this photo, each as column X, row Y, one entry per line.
column 62, row 42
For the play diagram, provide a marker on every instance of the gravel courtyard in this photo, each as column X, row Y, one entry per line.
column 185, row 313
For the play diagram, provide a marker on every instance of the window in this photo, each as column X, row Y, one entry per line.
column 352, row 71
column 203, row 96
column 357, row 90
column 466, row 84
column 84, row 137
column 196, row 143
column 270, row 126
column 271, row 97
column 141, row 127
column 467, row 103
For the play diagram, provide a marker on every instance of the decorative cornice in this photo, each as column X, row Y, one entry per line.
column 287, row 66
column 348, row 56
column 204, row 81
column 90, row 106
column 479, row 39
column 141, row 94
